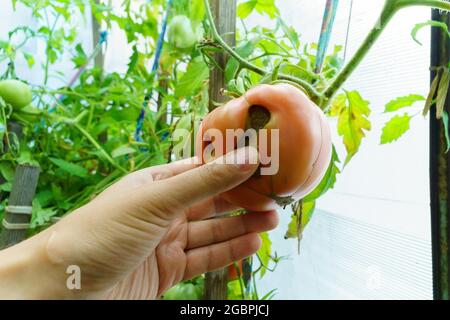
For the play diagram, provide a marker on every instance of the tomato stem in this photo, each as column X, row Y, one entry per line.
column 389, row 10
column 323, row 98
column 75, row 123
column 99, row 148
column 310, row 90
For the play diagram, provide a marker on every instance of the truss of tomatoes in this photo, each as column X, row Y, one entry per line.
column 304, row 141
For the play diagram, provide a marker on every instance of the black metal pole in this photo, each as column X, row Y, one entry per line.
column 439, row 170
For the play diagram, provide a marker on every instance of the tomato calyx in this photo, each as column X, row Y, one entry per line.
column 292, row 83
column 282, row 201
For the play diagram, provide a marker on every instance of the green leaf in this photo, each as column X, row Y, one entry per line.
column 122, row 150
column 134, row 59
column 197, row 10
column 71, row 168
column 25, row 157
column 267, row 7
column 338, row 104
column 442, row 92
column 234, row 290
column 29, row 58
column 327, row 181
column 432, row 23
column 197, row 72
column 7, row 170
column 7, row 186
column 402, row 102
column 125, row 114
column 44, row 197
column 264, row 252
column 395, row 128
column 244, row 50
column 40, row 216
column 303, row 212
column 431, row 94
column 290, row 33
column 353, row 122
column 446, row 133
column 236, row 87
column 269, row 295
column 246, row 8
column 44, row 30
column 57, row 192
column 80, row 59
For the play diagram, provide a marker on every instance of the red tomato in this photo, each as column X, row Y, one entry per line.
column 304, row 144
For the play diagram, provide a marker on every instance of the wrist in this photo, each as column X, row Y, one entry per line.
column 27, row 273
column 15, row 265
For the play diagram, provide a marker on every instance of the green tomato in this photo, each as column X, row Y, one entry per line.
column 183, row 291
column 16, row 93
column 180, row 33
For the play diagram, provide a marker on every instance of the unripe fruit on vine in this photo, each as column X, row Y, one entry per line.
column 183, row 291
column 180, row 32
column 16, row 93
column 301, row 153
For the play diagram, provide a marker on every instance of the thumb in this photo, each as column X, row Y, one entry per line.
column 225, row 173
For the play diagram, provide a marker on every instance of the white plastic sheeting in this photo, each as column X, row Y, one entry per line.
column 370, row 237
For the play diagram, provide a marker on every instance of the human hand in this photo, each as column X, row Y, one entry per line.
column 148, row 232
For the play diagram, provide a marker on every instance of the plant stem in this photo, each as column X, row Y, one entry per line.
column 88, row 136
column 389, row 10
column 437, row 4
column 47, row 61
column 5, row 124
column 387, row 13
column 99, row 148
column 47, row 50
column 311, row 91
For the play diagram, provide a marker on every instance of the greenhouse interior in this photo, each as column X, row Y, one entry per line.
column 232, row 150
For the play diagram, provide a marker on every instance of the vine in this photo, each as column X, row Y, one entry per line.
column 322, row 98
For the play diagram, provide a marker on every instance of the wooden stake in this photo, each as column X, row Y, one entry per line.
column 440, row 170
column 22, row 193
column 99, row 59
column 224, row 13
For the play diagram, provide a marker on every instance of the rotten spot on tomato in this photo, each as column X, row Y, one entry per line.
column 258, row 117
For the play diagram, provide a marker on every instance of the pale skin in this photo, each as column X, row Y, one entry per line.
column 144, row 234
